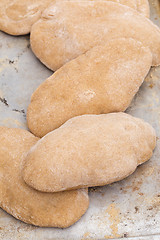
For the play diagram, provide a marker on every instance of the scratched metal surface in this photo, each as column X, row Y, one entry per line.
column 127, row 209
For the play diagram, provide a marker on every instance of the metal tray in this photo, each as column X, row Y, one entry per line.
column 127, row 209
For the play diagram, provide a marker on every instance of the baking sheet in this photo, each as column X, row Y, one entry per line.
column 127, row 209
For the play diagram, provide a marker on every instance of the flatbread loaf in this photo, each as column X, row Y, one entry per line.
column 25, row 203
column 18, row 16
column 103, row 80
column 68, row 29
column 89, row 150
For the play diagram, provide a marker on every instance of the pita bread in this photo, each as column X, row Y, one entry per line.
column 22, row 201
column 69, row 29
column 17, row 16
column 89, row 150
column 103, row 80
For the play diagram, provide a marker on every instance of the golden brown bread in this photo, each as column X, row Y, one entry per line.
column 18, row 16
column 25, row 203
column 68, row 29
column 103, row 80
column 89, row 150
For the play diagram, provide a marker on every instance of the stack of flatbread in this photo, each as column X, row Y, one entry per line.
column 101, row 52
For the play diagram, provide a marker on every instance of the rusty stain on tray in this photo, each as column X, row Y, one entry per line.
column 114, row 218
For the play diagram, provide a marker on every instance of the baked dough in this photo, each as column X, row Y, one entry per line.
column 17, row 16
column 89, row 150
column 25, row 203
column 103, row 80
column 67, row 29
column 143, row 7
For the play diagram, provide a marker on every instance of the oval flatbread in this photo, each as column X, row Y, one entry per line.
column 25, row 203
column 89, row 150
column 18, row 16
column 104, row 79
column 68, row 29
